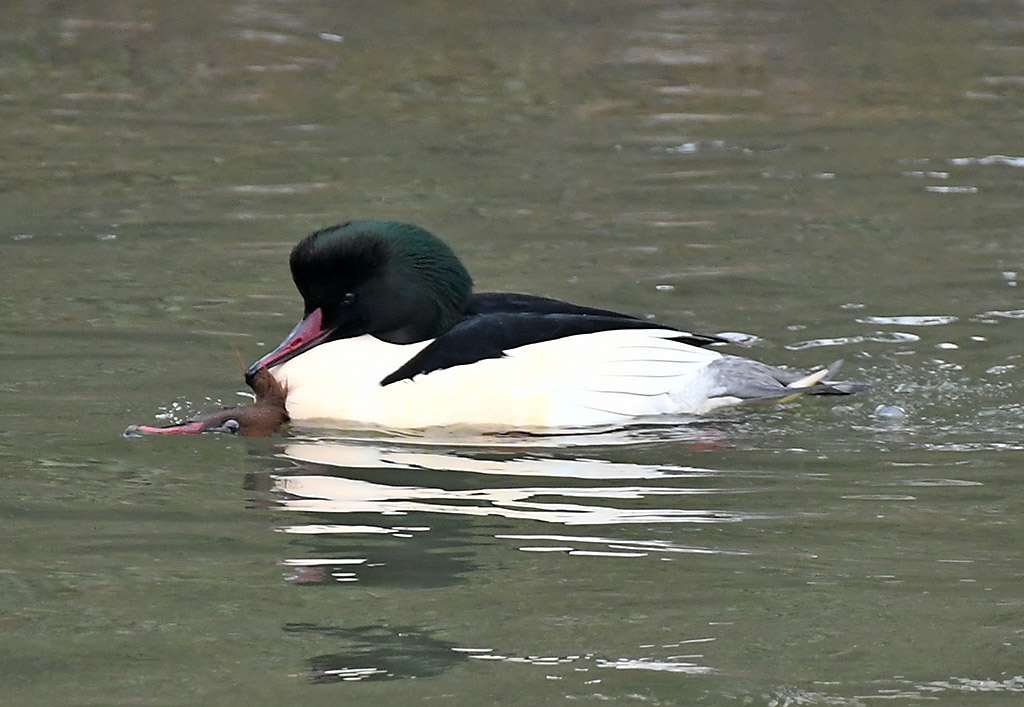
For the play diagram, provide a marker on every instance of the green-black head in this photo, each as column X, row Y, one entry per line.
column 393, row 280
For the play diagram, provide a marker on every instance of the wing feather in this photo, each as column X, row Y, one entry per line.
column 494, row 334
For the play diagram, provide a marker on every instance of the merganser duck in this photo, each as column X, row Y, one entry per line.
column 392, row 335
column 260, row 419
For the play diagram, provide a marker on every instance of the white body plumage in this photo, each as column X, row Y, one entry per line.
column 600, row 378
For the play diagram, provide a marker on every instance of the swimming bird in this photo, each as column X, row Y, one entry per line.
column 393, row 335
column 260, row 419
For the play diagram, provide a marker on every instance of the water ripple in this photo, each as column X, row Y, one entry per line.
column 910, row 320
column 989, row 160
column 1005, row 314
column 671, row 664
column 638, row 548
column 882, row 337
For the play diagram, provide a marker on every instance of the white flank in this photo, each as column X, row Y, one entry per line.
column 592, row 379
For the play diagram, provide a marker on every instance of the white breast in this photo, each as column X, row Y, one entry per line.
column 591, row 379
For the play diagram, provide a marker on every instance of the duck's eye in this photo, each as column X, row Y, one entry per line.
column 348, row 298
column 230, row 426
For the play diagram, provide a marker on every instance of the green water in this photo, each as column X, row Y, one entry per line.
column 838, row 180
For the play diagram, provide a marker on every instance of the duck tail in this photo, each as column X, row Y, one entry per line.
column 751, row 380
column 821, row 382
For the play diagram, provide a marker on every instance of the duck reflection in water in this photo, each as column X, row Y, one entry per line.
column 340, row 478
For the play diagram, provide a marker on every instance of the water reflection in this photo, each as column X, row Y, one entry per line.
column 696, row 433
column 378, row 652
column 333, row 494
column 586, row 663
column 321, row 492
column 437, row 495
column 430, row 490
column 370, row 456
column 379, row 558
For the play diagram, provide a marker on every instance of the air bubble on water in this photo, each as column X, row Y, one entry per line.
column 889, row 412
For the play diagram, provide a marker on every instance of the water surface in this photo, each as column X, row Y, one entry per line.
column 830, row 180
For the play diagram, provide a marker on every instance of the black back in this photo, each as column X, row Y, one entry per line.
column 496, row 322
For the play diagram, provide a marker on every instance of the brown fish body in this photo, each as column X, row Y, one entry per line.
column 261, row 419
